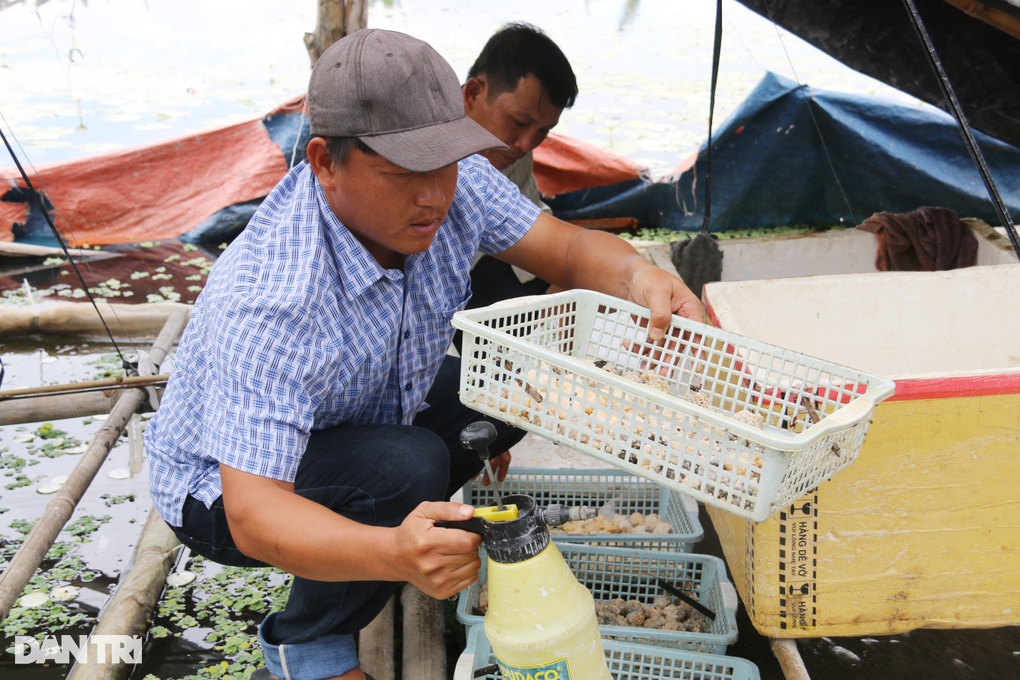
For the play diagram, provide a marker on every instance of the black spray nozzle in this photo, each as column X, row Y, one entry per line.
column 477, row 436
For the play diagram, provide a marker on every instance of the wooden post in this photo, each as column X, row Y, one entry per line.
column 336, row 18
column 788, row 655
column 76, row 318
column 376, row 644
column 42, row 409
column 130, row 609
column 424, row 653
column 58, row 511
column 1005, row 21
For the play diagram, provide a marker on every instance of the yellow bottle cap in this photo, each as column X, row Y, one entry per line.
column 494, row 514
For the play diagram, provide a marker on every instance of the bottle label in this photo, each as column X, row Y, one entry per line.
column 557, row 670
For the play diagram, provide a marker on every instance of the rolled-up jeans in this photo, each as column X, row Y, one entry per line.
column 373, row 474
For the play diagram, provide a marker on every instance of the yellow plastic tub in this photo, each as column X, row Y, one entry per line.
column 922, row 530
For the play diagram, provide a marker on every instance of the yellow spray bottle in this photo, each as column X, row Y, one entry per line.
column 540, row 621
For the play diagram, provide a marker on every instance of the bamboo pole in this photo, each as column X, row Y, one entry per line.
column 41, row 409
column 993, row 16
column 86, row 386
column 58, row 511
column 424, row 653
column 786, row 652
column 129, row 611
column 75, row 400
column 77, row 318
column 12, row 249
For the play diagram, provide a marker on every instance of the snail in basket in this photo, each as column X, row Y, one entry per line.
column 608, row 522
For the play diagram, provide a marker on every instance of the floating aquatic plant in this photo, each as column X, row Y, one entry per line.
column 64, row 594
column 12, row 464
column 86, row 525
column 19, row 481
column 228, row 602
column 48, row 605
column 107, row 366
column 110, row 500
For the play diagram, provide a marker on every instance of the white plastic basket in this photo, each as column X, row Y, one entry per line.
column 738, row 424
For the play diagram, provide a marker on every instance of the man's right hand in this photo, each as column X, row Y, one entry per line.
column 440, row 562
column 262, row 514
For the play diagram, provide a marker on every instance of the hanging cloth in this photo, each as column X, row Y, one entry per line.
column 926, row 239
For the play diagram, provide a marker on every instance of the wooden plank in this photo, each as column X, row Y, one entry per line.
column 130, row 609
column 424, row 652
column 376, row 644
column 789, row 659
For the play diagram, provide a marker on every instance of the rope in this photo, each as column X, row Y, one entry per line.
column 63, row 246
column 814, row 119
column 961, row 121
column 716, row 50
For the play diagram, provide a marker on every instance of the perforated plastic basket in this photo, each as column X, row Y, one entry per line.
column 738, row 424
column 626, row 661
column 611, row 573
column 608, row 490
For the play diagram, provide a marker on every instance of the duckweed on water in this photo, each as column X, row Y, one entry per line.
column 20, row 480
column 110, row 500
column 666, row 235
column 229, row 603
column 126, row 276
column 83, row 526
column 53, row 443
column 107, row 366
column 37, row 613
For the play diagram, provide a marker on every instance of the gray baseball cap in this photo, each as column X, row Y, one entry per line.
column 397, row 95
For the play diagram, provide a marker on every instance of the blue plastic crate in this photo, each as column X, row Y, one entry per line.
column 628, row 493
column 626, row 660
column 611, row 573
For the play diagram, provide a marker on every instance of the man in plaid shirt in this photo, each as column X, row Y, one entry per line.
column 312, row 420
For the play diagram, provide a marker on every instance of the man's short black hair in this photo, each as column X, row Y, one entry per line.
column 516, row 50
column 340, row 147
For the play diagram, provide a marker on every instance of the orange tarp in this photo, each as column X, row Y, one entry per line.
column 154, row 192
column 564, row 164
column 9, row 214
column 162, row 191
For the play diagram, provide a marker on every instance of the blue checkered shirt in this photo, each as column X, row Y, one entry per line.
column 299, row 328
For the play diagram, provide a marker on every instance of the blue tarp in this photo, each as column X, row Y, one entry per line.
column 795, row 155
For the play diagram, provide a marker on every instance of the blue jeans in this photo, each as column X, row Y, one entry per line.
column 373, row 474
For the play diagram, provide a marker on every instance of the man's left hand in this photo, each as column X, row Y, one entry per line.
column 664, row 295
